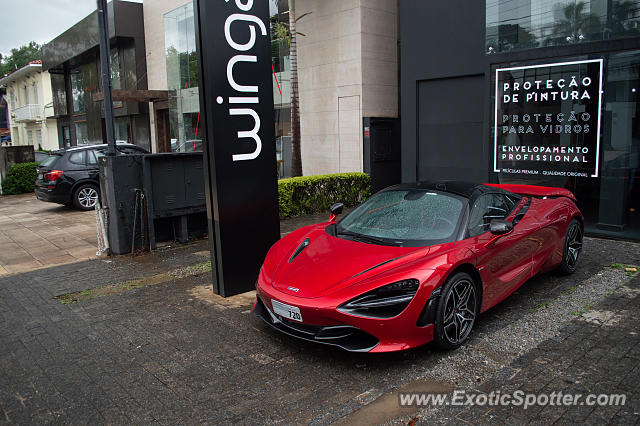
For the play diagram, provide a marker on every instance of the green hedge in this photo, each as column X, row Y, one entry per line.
column 305, row 195
column 20, row 178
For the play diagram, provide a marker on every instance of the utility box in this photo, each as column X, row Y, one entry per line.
column 151, row 198
column 174, row 187
column 381, row 151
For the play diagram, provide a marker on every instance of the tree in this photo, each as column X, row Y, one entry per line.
column 20, row 57
column 622, row 22
column 283, row 31
column 577, row 24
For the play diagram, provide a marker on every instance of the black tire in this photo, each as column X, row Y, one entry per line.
column 572, row 248
column 457, row 311
column 85, row 197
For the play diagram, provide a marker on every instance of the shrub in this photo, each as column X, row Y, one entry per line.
column 20, row 178
column 315, row 194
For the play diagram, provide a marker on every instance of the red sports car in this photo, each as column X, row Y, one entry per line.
column 416, row 263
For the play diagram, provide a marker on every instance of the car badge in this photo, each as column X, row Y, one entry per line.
column 293, row 289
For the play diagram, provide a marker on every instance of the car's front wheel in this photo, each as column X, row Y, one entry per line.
column 572, row 248
column 456, row 312
column 85, row 197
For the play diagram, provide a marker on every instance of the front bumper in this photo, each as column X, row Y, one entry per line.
column 323, row 323
column 346, row 337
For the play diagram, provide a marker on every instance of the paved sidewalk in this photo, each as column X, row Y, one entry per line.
column 35, row 234
column 175, row 353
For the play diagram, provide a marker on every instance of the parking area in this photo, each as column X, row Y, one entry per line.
column 176, row 353
column 35, row 234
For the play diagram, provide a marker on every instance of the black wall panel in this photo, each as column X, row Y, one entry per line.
column 442, row 40
column 450, row 143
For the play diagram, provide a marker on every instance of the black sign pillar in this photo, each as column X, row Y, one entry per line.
column 236, row 108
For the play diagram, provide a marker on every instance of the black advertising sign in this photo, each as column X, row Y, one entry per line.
column 236, row 106
column 547, row 119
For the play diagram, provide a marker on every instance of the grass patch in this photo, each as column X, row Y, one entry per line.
column 121, row 287
column 541, row 305
column 582, row 311
column 631, row 270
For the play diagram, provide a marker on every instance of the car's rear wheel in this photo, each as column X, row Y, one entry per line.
column 85, row 197
column 456, row 312
column 572, row 248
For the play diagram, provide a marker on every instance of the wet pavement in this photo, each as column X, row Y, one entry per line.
column 175, row 353
column 35, row 234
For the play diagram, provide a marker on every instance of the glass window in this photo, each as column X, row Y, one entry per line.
column 77, row 158
column 485, row 209
column 30, row 137
column 82, row 135
column 409, row 217
column 26, row 95
column 91, row 159
column 59, row 94
column 35, row 93
column 116, row 83
column 182, row 77
column 610, row 202
column 122, row 130
column 523, row 24
column 48, row 162
column 77, row 91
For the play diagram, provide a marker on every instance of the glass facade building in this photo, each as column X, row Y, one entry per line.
column 609, row 193
column 555, row 90
column 185, row 129
column 73, row 60
column 524, row 24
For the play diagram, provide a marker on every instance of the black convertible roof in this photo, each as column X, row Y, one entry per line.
column 465, row 189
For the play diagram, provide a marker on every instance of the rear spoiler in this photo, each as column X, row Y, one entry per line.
column 535, row 191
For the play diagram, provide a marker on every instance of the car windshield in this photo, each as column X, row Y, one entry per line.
column 408, row 217
column 48, row 162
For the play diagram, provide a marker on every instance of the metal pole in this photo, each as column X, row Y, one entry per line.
column 105, row 67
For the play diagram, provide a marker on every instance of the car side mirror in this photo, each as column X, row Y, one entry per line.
column 335, row 210
column 500, row 226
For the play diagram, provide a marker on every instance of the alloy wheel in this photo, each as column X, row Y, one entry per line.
column 460, row 311
column 574, row 245
column 87, row 197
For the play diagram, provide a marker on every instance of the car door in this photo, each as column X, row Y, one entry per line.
column 76, row 167
column 504, row 261
column 93, row 168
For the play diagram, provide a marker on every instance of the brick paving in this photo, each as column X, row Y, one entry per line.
column 598, row 353
column 175, row 353
column 35, row 234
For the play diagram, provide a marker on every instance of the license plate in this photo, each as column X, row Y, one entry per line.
column 287, row 311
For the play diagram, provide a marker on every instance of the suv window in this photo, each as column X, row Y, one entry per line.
column 48, row 162
column 91, row 159
column 485, row 209
column 77, row 158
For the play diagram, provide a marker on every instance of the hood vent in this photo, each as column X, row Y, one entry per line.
column 376, row 266
column 300, row 248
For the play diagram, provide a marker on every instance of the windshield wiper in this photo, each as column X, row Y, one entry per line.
column 369, row 238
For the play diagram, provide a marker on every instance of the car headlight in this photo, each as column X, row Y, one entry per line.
column 384, row 302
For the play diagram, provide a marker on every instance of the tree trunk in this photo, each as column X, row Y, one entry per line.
column 296, row 154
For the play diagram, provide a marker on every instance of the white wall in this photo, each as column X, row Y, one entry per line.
column 47, row 127
column 347, row 69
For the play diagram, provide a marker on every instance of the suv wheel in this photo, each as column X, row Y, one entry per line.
column 85, row 197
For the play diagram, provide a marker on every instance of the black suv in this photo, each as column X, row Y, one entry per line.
column 71, row 177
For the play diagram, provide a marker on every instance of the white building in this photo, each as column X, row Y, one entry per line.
column 30, row 103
